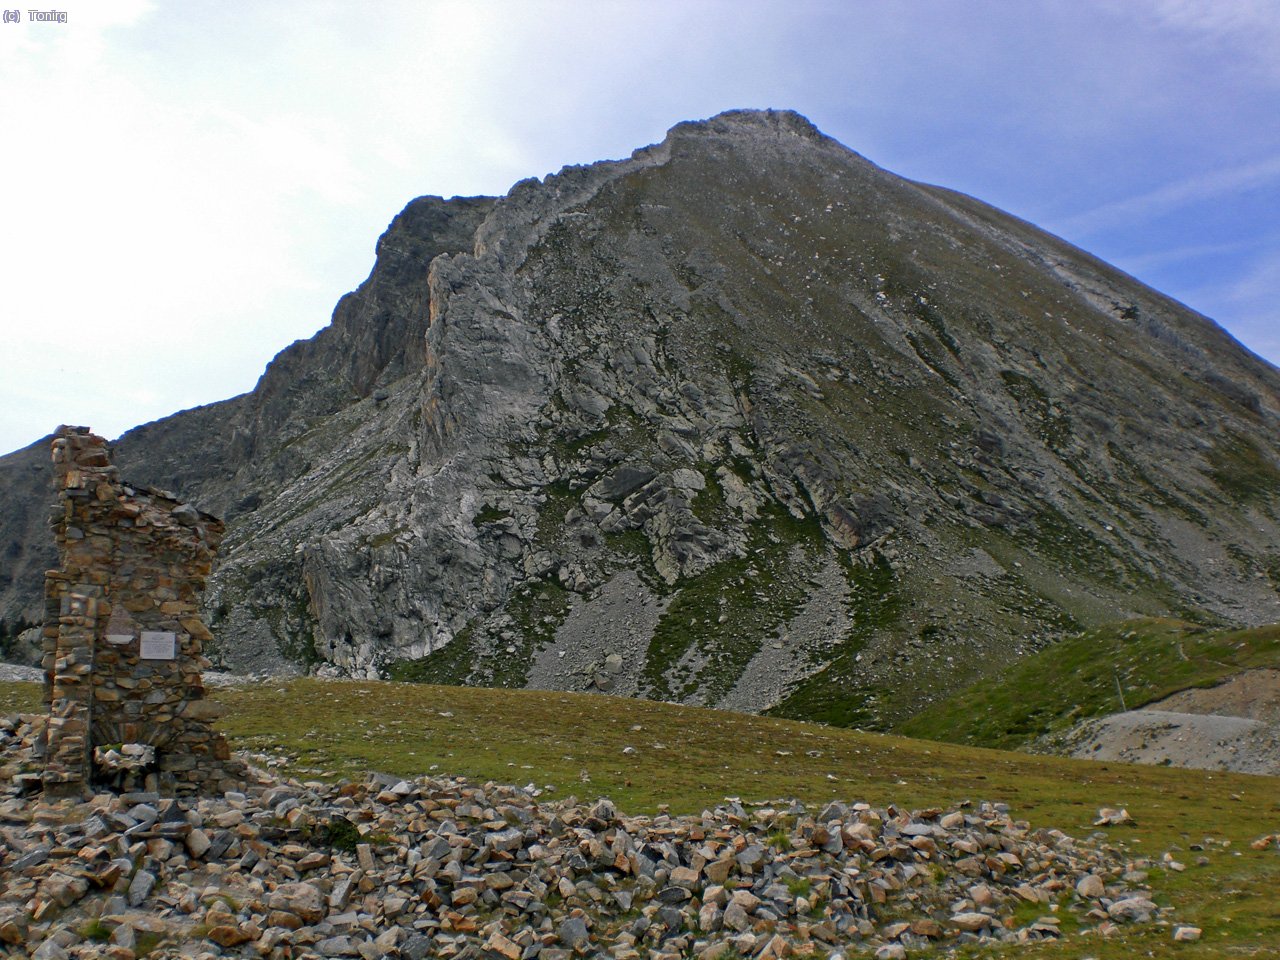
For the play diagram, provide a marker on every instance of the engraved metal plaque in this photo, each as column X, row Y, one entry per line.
column 158, row 645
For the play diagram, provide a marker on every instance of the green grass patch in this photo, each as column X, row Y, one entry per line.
column 146, row 942
column 933, row 317
column 450, row 665
column 1053, row 425
column 95, row 930
column 1134, row 479
column 708, row 504
column 836, row 694
column 1085, row 676
column 489, row 514
column 797, row 886
column 1243, row 472
column 1062, row 540
column 559, row 500
column 923, row 346
column 20, row 698
column 385, row 539
column 755, row 594
column 571, row 448
column 340, row 834
column 634, row 550
column 537, row 609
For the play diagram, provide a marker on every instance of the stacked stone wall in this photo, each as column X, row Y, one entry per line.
column 123, row 639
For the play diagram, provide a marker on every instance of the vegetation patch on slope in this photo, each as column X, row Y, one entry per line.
column 1108, row 670
column 727, row 613
column 449, row 665
column 1243, row 472
column 536, row 608
column 834, row 695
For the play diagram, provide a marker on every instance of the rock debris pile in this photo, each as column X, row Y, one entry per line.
column 452, row 869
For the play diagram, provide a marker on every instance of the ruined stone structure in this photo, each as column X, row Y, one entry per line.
column 123, row 638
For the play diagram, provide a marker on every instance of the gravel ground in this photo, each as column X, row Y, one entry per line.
column 1254, row 694
column 619, row 620
column 790, row 656
column 1199, row 741
column 1232, row 726
column 11, row 672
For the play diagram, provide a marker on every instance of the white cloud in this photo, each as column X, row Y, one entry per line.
column 1240, row 35
column 1245, row 303
column 1249, row 24
column 157, row 245
column 1173, row 196
column 1257, row 287
column 72, row 46
column 1137, row 263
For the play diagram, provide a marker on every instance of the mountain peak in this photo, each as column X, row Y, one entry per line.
column 752, row 121
column 744, row 420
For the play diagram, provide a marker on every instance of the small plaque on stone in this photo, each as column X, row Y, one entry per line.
column 158, row 645
column 119, row 639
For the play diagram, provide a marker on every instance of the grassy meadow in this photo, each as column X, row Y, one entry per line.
column 687, row 759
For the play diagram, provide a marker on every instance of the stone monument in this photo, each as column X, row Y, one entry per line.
column 123, row 638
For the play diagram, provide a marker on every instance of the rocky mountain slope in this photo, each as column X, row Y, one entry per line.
column 741, row 420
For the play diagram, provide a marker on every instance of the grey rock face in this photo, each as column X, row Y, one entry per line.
column 669, row 408
column 26, row 542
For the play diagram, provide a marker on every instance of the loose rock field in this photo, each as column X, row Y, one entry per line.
column 436, row 867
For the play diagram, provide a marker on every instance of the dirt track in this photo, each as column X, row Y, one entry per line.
column 1233, row 726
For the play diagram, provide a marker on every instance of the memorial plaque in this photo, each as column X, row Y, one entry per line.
column 158, row 645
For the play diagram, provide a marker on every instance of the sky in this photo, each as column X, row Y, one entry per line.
column 187, row 187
